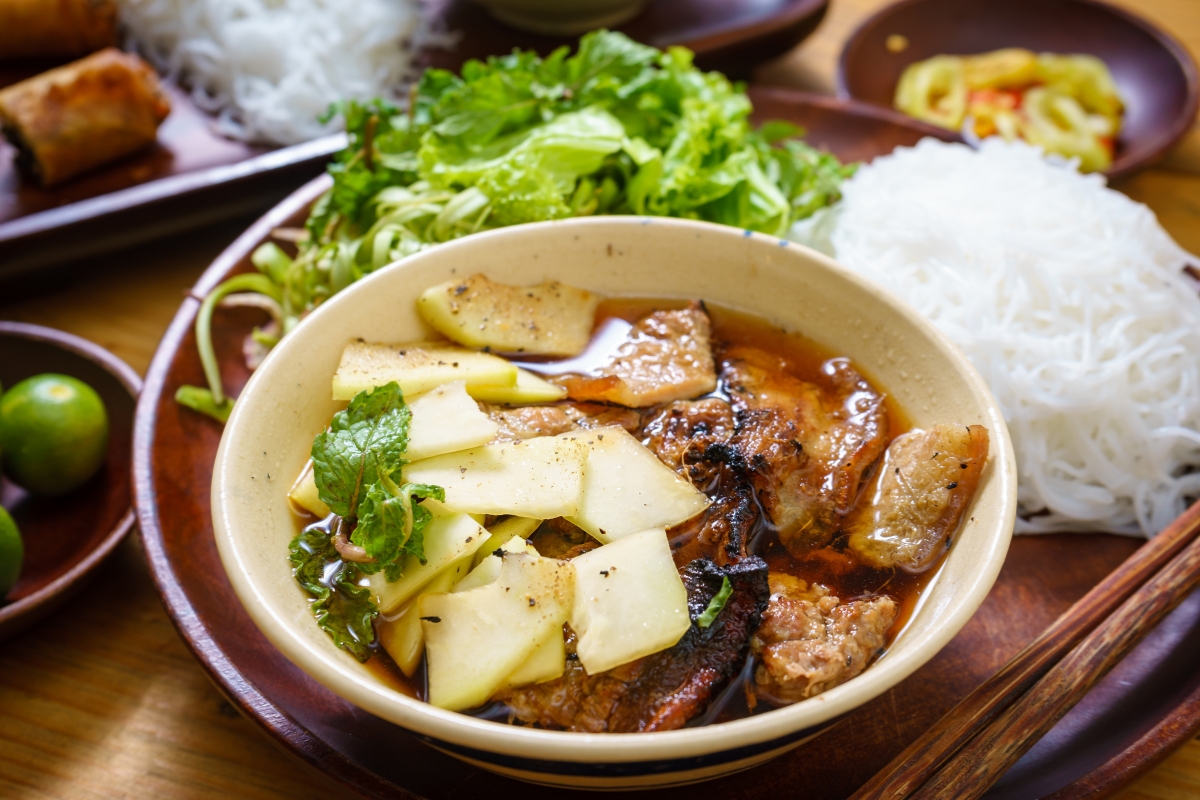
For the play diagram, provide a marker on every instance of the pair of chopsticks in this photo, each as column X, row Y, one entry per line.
column 969, row 748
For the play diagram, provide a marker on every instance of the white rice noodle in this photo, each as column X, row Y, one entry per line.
column 1070, row 300
column 270, row 68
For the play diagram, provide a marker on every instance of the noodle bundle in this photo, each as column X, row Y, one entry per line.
column 1071, row 301
column 270, row 68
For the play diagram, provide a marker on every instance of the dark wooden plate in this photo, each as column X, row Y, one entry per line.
column 1124, row 727
column 1154, row 72
column 67, row 538
column 194, row 176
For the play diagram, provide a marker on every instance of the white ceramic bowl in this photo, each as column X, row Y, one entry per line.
column 287, row 402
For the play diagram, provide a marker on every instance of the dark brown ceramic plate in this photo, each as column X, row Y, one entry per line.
column 1154, row 73
column 1124, row 727
column 67, row 538
column 193, row 175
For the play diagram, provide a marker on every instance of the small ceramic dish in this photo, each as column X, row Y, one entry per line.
column 287, row 401
column 67, row 538
column 1154, row 73
column 556, row 18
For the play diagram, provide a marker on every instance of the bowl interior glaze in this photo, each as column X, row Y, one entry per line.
column 287, row 402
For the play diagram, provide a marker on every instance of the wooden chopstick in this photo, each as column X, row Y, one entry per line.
column 986, row 757
column 922, row 759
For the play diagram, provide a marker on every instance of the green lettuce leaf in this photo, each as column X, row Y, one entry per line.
column 615, row 128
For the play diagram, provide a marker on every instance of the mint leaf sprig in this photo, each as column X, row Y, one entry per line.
column 364, row 444
column 356, row 464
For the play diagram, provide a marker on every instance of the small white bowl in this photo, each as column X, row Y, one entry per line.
column 562, row 17
column 287, row 402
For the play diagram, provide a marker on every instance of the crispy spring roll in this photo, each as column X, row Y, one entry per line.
column 72, row 119
column 64, row 28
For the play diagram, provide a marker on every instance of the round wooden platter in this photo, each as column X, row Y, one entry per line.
column 1130, row 722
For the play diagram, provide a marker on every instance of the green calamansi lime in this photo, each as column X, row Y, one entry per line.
column 12, row 553
column 53, row 433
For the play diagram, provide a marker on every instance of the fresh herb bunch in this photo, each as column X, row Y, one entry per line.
column 616, row 128
column 356, row 464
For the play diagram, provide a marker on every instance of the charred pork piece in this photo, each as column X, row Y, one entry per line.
column 666, row 356
column 681, row 432
column 917, row 499
column 810, row 642
column 663, row 691
column 723, row 531
column 528, row 422
column 675, row 685
column 807, row 448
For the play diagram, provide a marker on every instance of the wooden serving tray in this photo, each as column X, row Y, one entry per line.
column 194, row 176
column 1149, row 705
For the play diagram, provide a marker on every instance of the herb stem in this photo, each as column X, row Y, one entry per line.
column 208, row 357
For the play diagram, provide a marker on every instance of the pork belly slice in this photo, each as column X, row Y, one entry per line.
column 810, row 642
column 528, row 422
column 663, row 691
column 666, row 356
column 723, row 531
column 807, row 448
column 917, row 499
column 680, row 433
column 691, row 437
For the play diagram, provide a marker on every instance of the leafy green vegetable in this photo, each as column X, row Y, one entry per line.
column 364, row 444
column 716, row 604
column 355, row 464
column 390, row 524
column 616, row 128
column 343, row 608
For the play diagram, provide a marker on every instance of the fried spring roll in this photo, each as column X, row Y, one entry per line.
column 66, row 28
column 72, row 119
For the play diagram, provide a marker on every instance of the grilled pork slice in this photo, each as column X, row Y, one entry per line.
column 810, row 642
column 663, row 691
column 666, row 356
column 681, row 433
column 529, row 422
column 723, row 531
column 917, row 499
column 807, row 448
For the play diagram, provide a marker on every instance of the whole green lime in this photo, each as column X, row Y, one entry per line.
column 12, row 553
column 53, row 433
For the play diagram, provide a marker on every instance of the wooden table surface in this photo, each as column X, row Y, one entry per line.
column 105, row 701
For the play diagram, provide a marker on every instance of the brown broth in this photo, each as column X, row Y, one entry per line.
column 831, row 566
